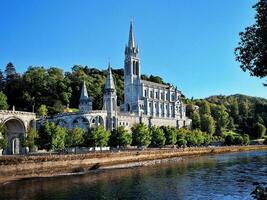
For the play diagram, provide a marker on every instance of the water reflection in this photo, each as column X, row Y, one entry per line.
column 225, row 176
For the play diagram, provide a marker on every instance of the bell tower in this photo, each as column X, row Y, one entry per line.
column 131, row 74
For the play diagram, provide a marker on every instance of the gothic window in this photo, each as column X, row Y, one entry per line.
column 137, row 68
column 134, row 68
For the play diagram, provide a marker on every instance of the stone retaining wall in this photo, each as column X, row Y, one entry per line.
column 12, row 166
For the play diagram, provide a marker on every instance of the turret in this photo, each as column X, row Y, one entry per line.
column 85, row 104
column 110, row 100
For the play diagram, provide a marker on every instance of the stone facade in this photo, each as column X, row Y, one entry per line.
column 144, row 101
column 17, row 124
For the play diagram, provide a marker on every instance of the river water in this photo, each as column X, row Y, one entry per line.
column 221, row 176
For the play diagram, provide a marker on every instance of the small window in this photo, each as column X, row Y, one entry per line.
column 145, row 93
column 151, row 94
column 157, row 95
column 162, row 95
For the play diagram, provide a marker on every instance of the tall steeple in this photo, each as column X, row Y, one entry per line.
column 131, row 36
column 132, row 75
column 85, row 104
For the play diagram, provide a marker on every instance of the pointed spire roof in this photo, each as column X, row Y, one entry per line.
column 131, row 43
column 84, row 93
column 109, row 81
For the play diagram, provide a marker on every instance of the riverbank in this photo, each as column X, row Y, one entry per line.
column 18, row 167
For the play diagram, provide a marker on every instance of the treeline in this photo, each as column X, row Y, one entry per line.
column 53, row 137
column 235, row 114
column 55, row 88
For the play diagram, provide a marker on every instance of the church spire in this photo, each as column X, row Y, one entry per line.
column 85, row 104
column 109, row 81
column 131, row 36
column 84, row 93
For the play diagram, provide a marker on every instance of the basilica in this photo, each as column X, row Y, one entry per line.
column 144, row 101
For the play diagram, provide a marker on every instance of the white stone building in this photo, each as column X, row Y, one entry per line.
column 144, row 101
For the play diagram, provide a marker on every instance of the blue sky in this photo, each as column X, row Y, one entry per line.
column 189, row 43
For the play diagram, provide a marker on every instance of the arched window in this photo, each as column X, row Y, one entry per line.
column 137, row 68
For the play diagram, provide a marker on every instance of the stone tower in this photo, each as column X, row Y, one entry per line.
column 110, row 100
column 85, row 104
column 132, row 75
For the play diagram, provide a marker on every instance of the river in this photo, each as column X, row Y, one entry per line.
column 219, row 176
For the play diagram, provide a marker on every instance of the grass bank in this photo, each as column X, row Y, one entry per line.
column 16, row 167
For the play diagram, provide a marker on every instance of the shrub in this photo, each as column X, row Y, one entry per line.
column 229, row 139
column 181, row 142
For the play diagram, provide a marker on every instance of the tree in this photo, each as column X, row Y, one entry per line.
column 10, row 71
column 30, row 139
column 51, row 136
column 204, row 108
column 75, row 137
column 3, row 101
column 244, row 107
column 141, row 135
column 42, row 110
column 234, row 109
column 170, row 135
column 252, row 49
column 98, row 136
column 120, row 137
column 58, row 137
column 195, row 120
column 157, row 137
column 259, row 130
column 208, row 124
column 222, row 119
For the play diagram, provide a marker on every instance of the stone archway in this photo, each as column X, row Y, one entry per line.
column 96, row 121
column 80, row 122
column 15, row 129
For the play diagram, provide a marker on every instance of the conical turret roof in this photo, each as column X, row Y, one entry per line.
column 109, row 81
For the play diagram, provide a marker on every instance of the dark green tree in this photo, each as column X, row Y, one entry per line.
column 195, row 120
column 208, row 124
column 98, row 137
column 120, row 137
column 157, row 137
column 252, row 48
column 204, row 108
column 141, row 135
column 170, row 135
